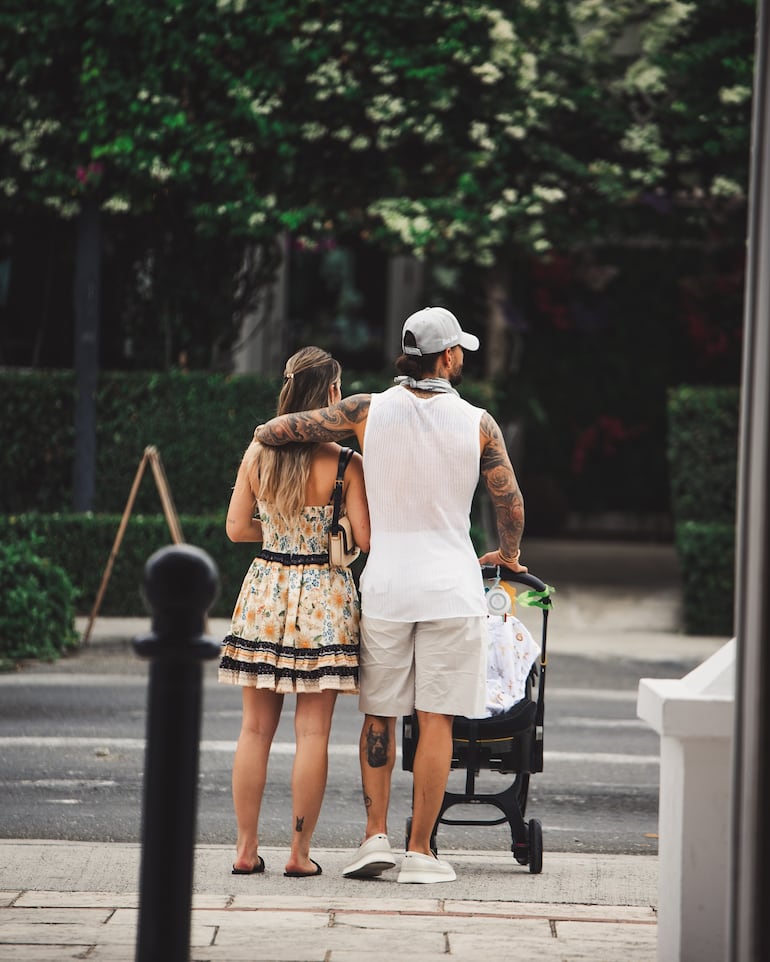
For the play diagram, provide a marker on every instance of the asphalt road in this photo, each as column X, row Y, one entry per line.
column 72, row 740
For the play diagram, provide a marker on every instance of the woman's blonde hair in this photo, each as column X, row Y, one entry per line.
column 280, row 474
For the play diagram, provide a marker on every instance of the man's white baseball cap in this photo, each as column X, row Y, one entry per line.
column 434, row 330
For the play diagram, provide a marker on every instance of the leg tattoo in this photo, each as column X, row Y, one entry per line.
column 377, row 743
column 300, row 822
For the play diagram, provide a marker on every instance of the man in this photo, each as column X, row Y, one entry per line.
column 423, row 624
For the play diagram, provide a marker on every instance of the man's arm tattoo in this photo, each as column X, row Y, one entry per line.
column 503, row 488
column 377, row 744
column 324, row 424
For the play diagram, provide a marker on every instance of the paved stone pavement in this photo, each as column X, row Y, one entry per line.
column 78, row 900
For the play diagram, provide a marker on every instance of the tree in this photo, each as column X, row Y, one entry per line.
column 682, row 73
column 436, row 128
column 473, row 136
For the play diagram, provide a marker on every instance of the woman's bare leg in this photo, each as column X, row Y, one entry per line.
column 312, row 725
column 261, row 712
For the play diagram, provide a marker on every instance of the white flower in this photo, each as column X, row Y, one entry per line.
column 502, row 30
column 488, row 73
column 528, row 68
column 65, row 208
column 261, row 108
column 551, row 195
column 431, row 131
column 725, row 187
column 734, row 95
column 645, row 139
column 313, row 131
column 116, row 204
column 516, row 132
column 159, row 171
column 383, row 107
column 647, row 78
column 240, row 146
column 479, row 134
column 503, row 37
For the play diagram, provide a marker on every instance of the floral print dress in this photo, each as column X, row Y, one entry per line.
column 295, row 623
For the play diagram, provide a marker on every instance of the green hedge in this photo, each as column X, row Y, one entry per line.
column 703, row 427
column 703, row 460
column 200, row 423
column 37, row 606
column 707, row 558
column 81, row 545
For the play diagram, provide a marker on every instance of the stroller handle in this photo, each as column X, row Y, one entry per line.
column 521, row 577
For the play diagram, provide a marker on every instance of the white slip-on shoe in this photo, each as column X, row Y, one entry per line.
column 417, row 867
column 372, row 858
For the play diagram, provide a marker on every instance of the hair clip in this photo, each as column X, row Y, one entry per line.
column 289, row 376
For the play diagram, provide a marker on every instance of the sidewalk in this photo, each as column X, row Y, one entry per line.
column 78, row 900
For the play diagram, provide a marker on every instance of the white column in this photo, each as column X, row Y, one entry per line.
column 694, row 717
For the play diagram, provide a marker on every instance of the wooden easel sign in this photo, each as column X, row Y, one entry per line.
column 151, row 456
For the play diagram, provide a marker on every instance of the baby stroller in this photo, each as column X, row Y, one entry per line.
column 510, row 743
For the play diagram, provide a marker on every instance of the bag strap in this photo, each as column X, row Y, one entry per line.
column 345, row 455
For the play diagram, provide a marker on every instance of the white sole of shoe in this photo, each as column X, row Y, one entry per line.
column 425, row 878
column 369, row 867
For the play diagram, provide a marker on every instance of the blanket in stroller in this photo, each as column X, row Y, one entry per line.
column 511, row 653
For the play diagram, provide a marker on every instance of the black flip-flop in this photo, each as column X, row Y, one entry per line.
column 259, row 867
column 305, row 874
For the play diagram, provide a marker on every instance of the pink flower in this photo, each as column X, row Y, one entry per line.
column 91, row 173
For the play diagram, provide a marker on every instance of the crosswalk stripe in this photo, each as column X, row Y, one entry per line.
column 287, row 748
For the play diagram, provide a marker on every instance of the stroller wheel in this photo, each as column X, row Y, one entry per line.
column 535, row 832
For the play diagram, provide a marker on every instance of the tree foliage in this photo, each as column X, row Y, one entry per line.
column 453, row 131
column 450, row 128
column 682, row 73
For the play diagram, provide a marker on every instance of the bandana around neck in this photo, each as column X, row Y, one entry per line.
column 435, row 384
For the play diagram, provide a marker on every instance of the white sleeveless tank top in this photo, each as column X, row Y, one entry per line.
column 421, row 468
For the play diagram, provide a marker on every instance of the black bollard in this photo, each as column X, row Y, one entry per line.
column 180, row 585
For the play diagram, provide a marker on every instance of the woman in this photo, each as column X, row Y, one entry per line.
column 295, row 624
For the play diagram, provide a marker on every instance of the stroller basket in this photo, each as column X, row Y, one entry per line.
column 508, row 743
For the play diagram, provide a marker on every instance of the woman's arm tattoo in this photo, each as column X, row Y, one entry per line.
column 503, row 488
column 324, row 424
